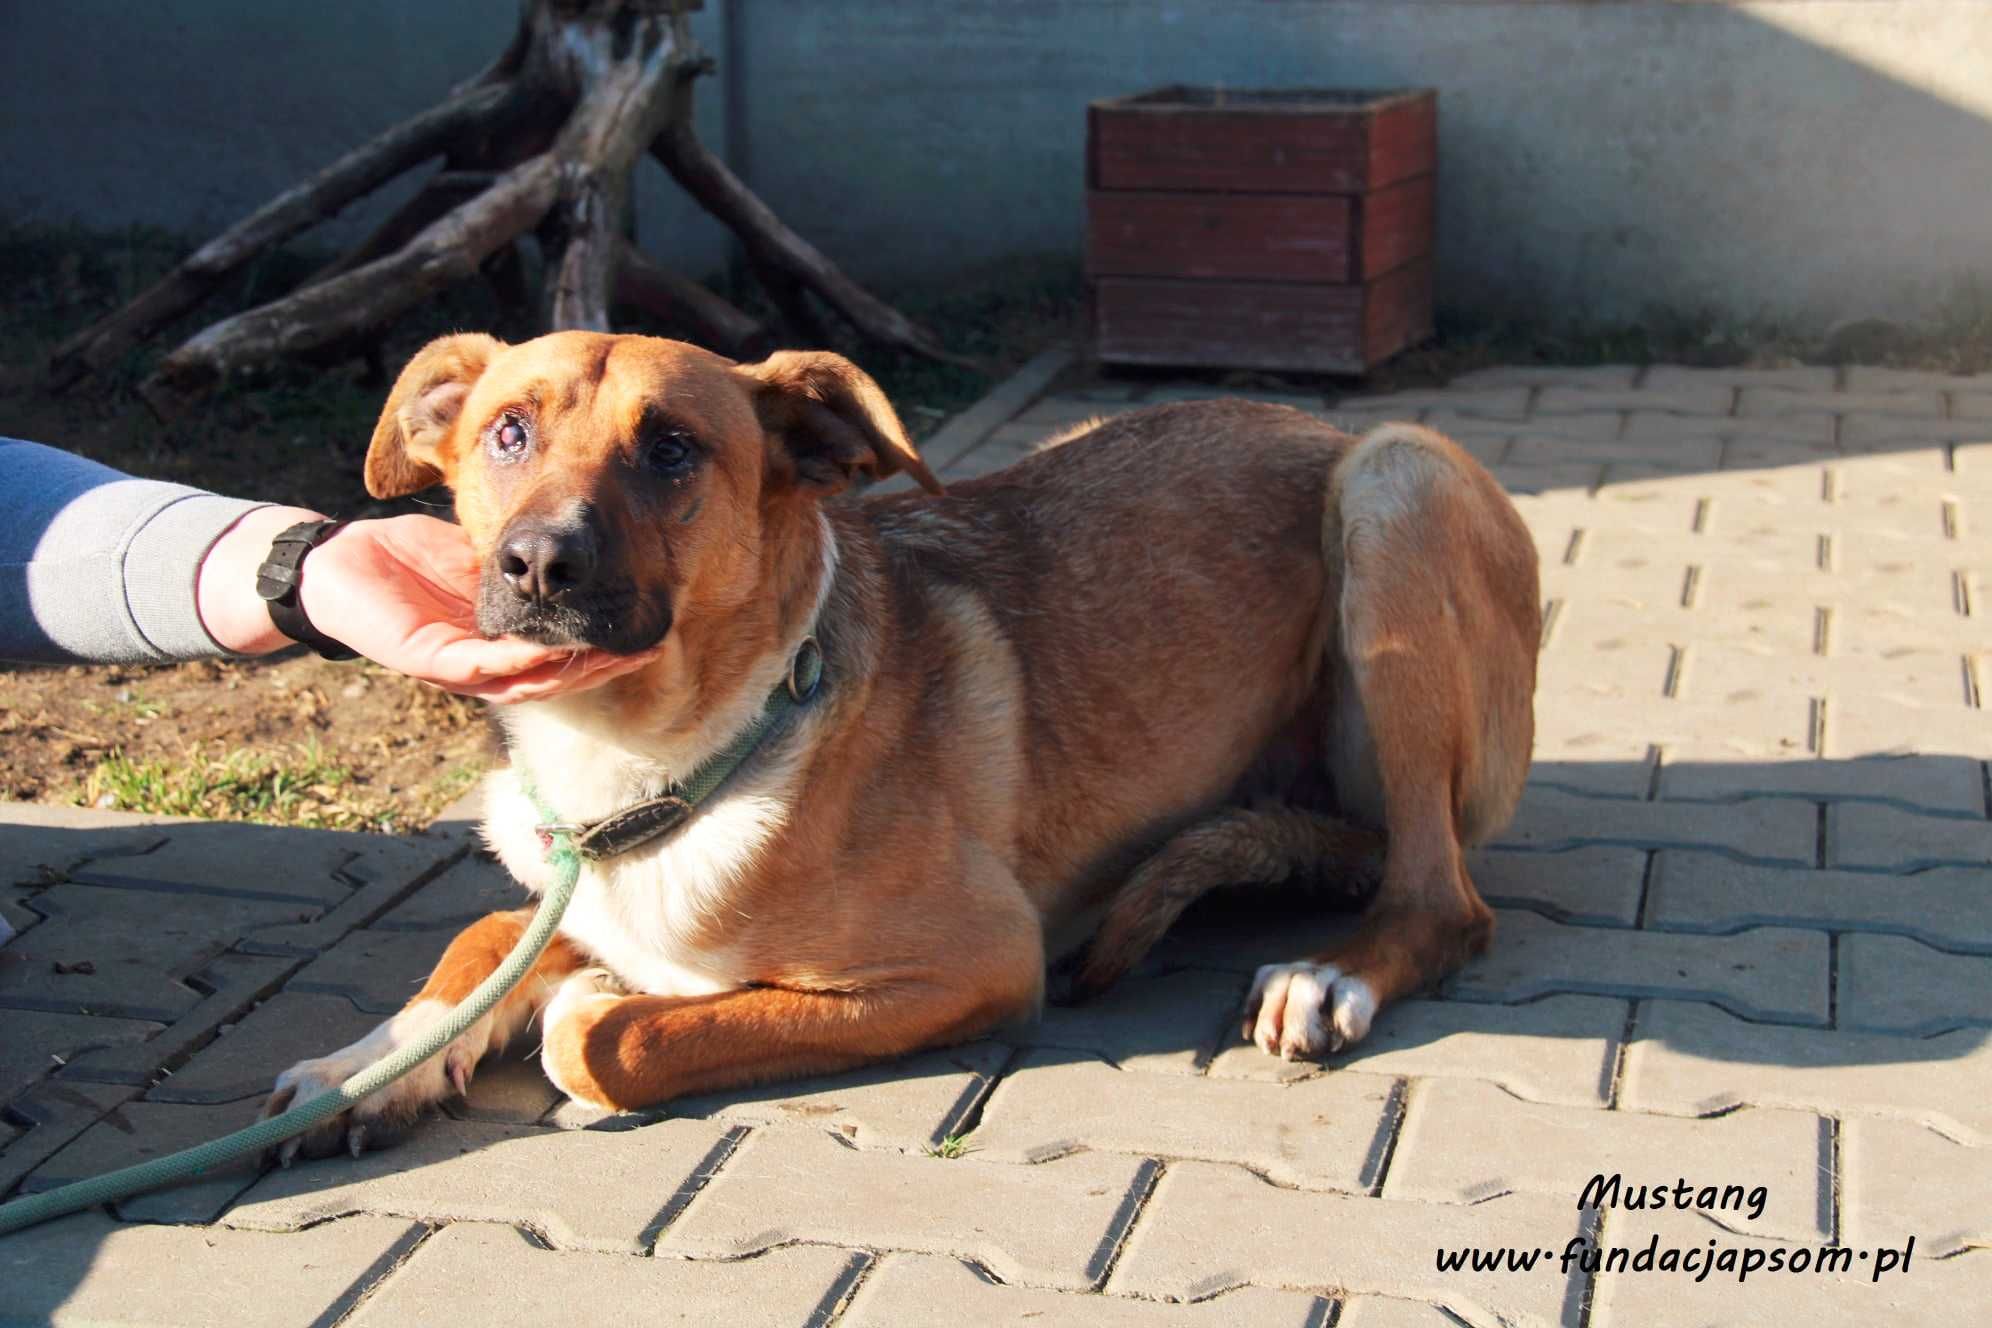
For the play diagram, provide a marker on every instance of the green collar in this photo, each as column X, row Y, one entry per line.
column 638, row 824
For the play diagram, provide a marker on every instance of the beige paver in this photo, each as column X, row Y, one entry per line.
column 1892, row 984
column 1599, row 886
column 1170, row 1023
column 1327, row 1133
column 582, row 1189
column 1464, row 1141
column 474, row 1273
column 1929, row 1291
column 924, row 1291
column 1775, row 973
column 89, row 1270
column 1182, row 1250
column 801, row 1185
column 1766, row 829
column 1710, row 893
column 1558, row 1049
column 1898, row 1181
column 1695, row 1060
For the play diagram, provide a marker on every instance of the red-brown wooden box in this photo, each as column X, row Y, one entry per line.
column 1288, row 230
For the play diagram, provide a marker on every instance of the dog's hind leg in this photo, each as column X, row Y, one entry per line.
column 1440, row 625
column 1236, row 846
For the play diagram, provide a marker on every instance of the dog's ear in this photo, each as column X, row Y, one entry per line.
column 832, row 421
column 408, row 450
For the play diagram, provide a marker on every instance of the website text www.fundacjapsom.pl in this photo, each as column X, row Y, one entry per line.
column 1698, row 1262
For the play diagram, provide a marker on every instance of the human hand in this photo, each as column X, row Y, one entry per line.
column 403, row 592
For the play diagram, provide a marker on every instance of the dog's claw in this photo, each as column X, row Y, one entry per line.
column 356, row 1140
column 287, row 1151
column 457, row 1065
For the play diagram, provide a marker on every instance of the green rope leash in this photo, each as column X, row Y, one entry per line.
column 199, row 1160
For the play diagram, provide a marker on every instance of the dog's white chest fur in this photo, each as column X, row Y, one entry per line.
column 640, row 915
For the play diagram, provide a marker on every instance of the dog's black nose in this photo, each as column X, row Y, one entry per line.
column 543, row 564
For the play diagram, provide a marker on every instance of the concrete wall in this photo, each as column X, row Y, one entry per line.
column 1795, row 159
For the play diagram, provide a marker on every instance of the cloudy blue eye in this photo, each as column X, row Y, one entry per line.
column 510, row 437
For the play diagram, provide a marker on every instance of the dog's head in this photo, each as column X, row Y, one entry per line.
column 610, row 483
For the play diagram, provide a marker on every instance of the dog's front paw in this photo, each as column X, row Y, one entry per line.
column 379, row 1119
column 566, row 1022
column 1305, row 1011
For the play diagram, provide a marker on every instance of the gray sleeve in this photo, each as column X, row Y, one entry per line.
column 98, row 567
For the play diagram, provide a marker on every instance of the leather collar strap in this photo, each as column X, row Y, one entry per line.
column 638, row 824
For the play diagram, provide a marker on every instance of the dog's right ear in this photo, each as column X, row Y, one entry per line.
column 410, row 444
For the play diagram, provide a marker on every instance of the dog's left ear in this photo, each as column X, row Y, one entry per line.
column 832, row 421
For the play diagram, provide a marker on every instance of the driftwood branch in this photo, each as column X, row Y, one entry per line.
column 771, row 245
column 357, row 173
column 687, row 306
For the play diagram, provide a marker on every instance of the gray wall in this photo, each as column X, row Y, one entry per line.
column 1795, row 159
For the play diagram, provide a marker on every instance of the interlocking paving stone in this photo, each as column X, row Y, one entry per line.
column 1929, row 1292
column 1891, row 984
column 1775, row 401
column 1596, row 376
column 140, row 1131
column 235, row 982
column 1898, row 1181
column 1592, row 885
column 378, row 971
column 52, row 1114
column 1767, row 829
column 583, row 1189
column 907, row 1105
column 1915, row 676
column 1697, row 453
column 460, row 896
column 1706, row 892
column 1601, row 426
column 1773, row 973
column 1325, row 1134
column 790, row 1185
column 39, row 843
column 1804, row 377
column 88, row 1269
column 1695, row 1060
column 1386, row 1312
column 1742, row 729
column 922, row 1291
column 1491, row 403
column 39, row 1042
column 265, row 862
column 139, row 946
column 1169, row 1024
column 358, row 909
column 1558, row 1049
column 508, row 1088
column 1870, row 378
column 247, row 1057
column 1182, row 1249
column 1891, row 839
column 1464, row 1141
column 474, row 1273
column 1660, row 425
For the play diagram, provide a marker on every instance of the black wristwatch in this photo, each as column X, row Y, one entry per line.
column 279, row 580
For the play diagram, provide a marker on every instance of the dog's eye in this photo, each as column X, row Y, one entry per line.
column 669, row 453
column 510, row 438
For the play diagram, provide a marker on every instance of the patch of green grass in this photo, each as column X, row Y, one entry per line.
column 300, row 788
column 951, row 1147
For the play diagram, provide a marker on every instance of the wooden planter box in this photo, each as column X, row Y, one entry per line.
column 1260, row 230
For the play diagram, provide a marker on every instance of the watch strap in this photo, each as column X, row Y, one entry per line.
column 280, row 579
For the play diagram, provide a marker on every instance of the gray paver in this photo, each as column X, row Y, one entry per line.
column 1707, row 892
column 582, row 1189
column 1182, row 1250
column 509, row 1088
column 1891, row 984
column 475, row 1273
column 1170, row 1023
column 922, row 1291
column 1766, row 829
column 87, row 1269
column 1892, row 839
column 1599, row 886
column 1695, row 1060
column 1559, row 1049
column 234, row 983
column 317, row 867
column 51, row 1115
column 1464, row 1141
column 791, row 1185
column 378, row 971
column 458, row 897
column 140, row 1131
column 1930, row 1291
column 1326, row 1133
column 1898, row 1181
column 1772, row 973
column 1775, row 401
column 247, row 1057
column 39, row 1042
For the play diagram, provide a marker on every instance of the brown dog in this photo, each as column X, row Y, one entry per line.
column 1199, row 645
